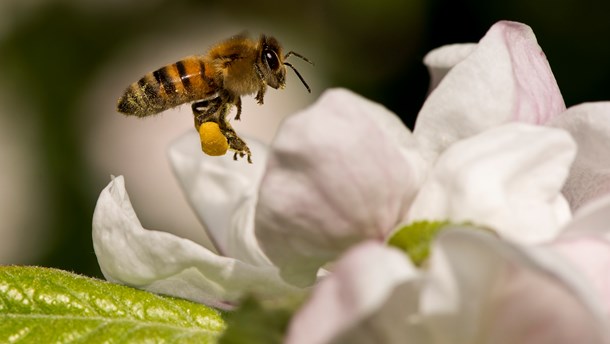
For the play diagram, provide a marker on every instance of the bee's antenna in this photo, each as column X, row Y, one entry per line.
column 299, row 56
column 295, row 70
column 299, row 75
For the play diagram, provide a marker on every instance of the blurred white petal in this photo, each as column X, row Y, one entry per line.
column 223, row 193
column 590, row 256
column 340, row 172
column 585, row 243
column 164, row 263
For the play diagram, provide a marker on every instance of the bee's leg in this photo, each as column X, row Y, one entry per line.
column 262, row 85
column 200, row 107
column 235, row 142
column 241, row 155
column 204, row 110
column 261, row 93
column 208, row 106
column 238, row 105
column 239, row 146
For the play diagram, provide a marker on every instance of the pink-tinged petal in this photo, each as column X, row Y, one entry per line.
column 440, row 60
column 223, row 193
column 585, row 242
column 505, row 78
column 164, row 263
column 507, row 178
column 484, row 290
column 590, row 255
column 340, row 172
column 589, row 124
column 369, row 298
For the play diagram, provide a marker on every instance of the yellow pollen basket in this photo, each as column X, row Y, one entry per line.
column 213, row 142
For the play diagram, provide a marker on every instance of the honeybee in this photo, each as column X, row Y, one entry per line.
column 214, row 83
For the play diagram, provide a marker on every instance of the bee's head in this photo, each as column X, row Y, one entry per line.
column 273, row 64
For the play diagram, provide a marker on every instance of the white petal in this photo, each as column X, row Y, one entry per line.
column 507, row 178
column 368, row 299
column 440, row 60
column 340, row 172
column 590, row 256
column 164, row 263
column 589, row 124
column 505, row 78
column 223, row 193
column 585, row 242
column 483, row 290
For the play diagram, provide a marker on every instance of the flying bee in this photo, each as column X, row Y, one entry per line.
column 213, row 83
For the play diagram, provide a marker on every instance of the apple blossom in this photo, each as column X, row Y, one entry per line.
column 484, row 179
column 479, row 288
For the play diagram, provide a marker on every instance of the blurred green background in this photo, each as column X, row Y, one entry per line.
column 56, row 55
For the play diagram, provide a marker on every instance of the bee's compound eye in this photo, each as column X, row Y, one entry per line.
column 272, row 60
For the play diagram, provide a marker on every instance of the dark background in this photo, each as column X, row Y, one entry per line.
column 53, row 52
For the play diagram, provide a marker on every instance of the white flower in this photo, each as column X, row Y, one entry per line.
column 478, row 287
column 543, row 278
column 441, row 304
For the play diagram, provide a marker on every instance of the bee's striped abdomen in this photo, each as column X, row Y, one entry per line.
column 167, row 87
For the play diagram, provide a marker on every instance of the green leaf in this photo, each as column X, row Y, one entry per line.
column 255, row 322
column 416, row 238
column 42, row 305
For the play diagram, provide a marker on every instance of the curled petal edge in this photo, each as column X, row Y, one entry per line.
column 164, row 263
